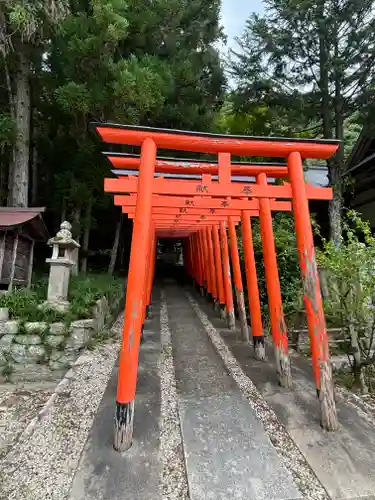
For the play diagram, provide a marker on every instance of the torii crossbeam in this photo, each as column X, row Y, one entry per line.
column 149, row 197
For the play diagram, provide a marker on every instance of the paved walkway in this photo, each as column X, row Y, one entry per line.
column 342, row 461
column 210, row 423
column 215, row 439
column 228, row 454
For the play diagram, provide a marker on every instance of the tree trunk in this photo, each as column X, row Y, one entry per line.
column 77, row 236
column 324, row 73
column 86, row 236
column 114, row 251
column 34, row 169
column 336, row 203
column 359, row 379
column 19, row 171
column 337, row 163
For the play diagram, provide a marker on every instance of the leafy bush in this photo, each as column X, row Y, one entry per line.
column 84, row 291
column 351, row 293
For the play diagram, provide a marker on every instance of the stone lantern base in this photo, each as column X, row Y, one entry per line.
column 57, row 305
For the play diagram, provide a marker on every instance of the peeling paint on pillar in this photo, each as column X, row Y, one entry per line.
column 242, row 315
column 312, row 296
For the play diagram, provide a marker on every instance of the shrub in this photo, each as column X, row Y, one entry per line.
column 351, row 293
column 84, row 291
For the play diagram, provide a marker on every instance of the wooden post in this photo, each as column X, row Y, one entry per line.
column 202, row 253
column 30, row 267
column 312, row 296
column 151, row 273
column 128, row 366
column 278, row 326
column 227, row 277
column 201, row 261
column 196, row 257
column 2, row 253
column 238, row 279
column 14, row 258
column 207, row 266
column 219, row 271
column 145, row 303
column 252, row 287
column 211, row 258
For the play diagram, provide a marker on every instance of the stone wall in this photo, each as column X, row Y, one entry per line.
column 37, row 350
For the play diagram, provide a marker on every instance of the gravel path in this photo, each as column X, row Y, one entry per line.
column 19, row 405
column 41, row 465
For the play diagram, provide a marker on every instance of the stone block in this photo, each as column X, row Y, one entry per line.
column 28, row 339
column 34, row 372
column 36, row 351
column 4, row 314
column 6, row 341
column 99, row 312
column 81, row 333
column 55, row 340
column 12, row 327
column 61, row 360
column 83, row 323
column 27, row 354
column 18, row 352
column 61, row 306
column 57, row 329
column 35, row 326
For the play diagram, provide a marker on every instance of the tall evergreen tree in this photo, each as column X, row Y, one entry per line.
column 24, row 26
column 138, row 62
column 315, row 58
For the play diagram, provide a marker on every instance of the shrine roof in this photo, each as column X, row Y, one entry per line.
column 27, row 219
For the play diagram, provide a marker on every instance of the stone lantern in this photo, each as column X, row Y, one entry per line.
column 61, row 263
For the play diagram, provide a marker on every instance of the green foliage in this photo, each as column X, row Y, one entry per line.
column 83, row 294
column 290, row 56
column 31, row 19
column 21, row 303
column 132, row 61
column 287, row 260
column 73, row 97
column 312, row 63
column 351, row 284
column 7, row 131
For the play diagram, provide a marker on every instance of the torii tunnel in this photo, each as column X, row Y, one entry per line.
column 201, row 203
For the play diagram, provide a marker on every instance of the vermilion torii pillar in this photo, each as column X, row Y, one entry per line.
column 170, row 213
column 128, row 367
column 278, row 326
column 276, row 314
column 238, row 279
column 312, row 294
column 293, row 151
column 252, row 287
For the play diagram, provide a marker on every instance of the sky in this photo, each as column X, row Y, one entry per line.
column 234, row 14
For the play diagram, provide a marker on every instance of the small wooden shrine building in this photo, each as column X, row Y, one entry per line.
column 20, row 229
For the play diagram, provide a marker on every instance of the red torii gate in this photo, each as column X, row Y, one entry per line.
column 201, row 249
